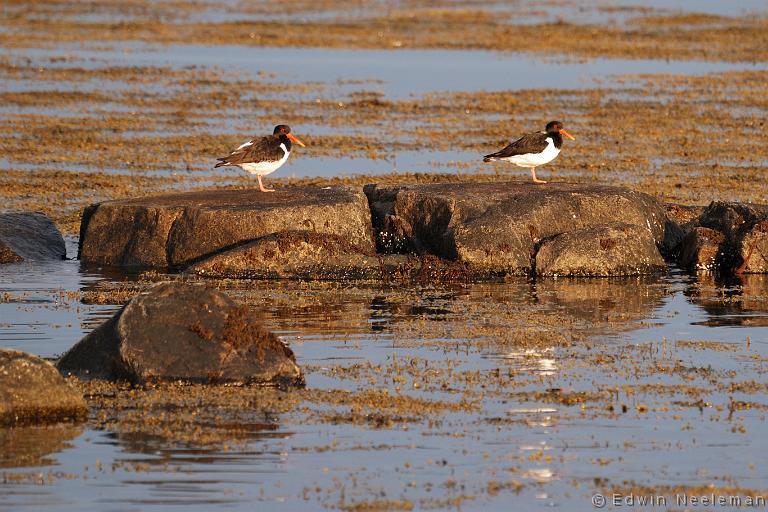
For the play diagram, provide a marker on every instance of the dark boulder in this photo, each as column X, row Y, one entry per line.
column 682, row 219
column 29, row 236
column 753, row 249
column 32, row 391
column 176, row 230
column 732, row 219
column 731, row 237
column 702, row 249
column 612, row 250
column 497, row 227
column 178, row 331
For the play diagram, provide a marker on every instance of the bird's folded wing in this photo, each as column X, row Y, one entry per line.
column 529, row 143
column 263, row 149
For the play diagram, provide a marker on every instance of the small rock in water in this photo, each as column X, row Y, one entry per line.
column 701, row 249
column 29, row 236
column 32, row 391
column 178, row 331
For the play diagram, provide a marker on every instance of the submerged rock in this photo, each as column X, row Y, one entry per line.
column 497, row 227
column 612, row 250
column 178, row 331
column 29, row 236
column 175, row 230
column 32, row 391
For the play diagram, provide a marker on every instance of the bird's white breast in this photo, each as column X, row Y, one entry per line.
column 536, row 159
column 264, row 168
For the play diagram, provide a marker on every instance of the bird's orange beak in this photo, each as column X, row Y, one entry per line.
column 563, row 132
column 297, row 141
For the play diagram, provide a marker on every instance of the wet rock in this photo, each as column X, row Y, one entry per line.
column 701, row 249
column 496, row 227
column 309, row 256
column 753, row 249
column 29, row 236
column 292, row 255
column 732, row 219
column 613, row 250
column 176, row 230
column 32, row 391
column 178, row 331
column 682, row 219
column 684, row 216
column 732, row 237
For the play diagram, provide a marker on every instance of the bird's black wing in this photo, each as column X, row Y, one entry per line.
column 535, row 142
column 263, row 149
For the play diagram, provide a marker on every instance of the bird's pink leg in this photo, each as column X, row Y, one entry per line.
column 535, row 179
column 261, row 185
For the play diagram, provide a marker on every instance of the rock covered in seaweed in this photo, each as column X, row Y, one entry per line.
column 33, row 391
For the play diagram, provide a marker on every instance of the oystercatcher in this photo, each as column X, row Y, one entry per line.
column 263, row 155
column 534, row 149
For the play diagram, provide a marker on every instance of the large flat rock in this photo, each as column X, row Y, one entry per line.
column 498, row 227
column 175, row 230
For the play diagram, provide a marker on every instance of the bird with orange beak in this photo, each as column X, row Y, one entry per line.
column 533, row 149
column 263, row 155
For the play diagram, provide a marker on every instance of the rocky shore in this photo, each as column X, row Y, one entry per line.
column 478, row 230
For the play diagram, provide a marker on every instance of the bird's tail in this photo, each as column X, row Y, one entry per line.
column 489, row 158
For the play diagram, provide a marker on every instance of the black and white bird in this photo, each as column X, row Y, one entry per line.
column 533, row 149
column 263, row 155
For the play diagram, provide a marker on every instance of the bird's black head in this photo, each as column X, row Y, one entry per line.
column 557, row 127
column 282, row 129
column 284, row 132
column 552, row 126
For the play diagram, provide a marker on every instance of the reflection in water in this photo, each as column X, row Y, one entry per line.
column 181, row 445
column 605, row 302
column 539, row 361
column 32, row 446
column 731, row 300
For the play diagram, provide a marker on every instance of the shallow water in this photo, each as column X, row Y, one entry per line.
column 396, row 74
column 336, row 74
column 554, row 451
